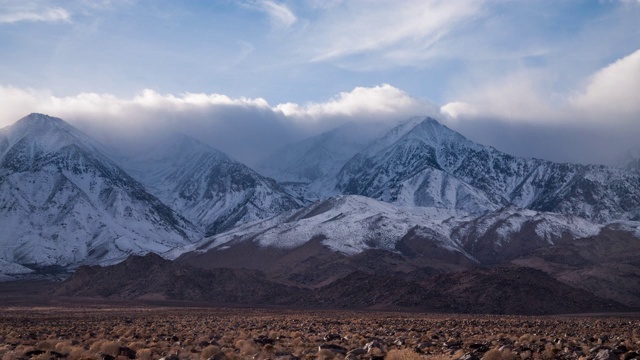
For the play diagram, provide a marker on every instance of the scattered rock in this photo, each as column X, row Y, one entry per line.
column 264, row 340
column 333, row 348
column 631, row 355
column 34, row 353
column 218, row 356
column 104, row 356
column 357, row 351
column 469, row 356
column 171, row 357
column 285, row 355
column 331, row 337
column 375, row 344
column 479, row 348
column 127, row 352
column 606, row 355
column 452, row 344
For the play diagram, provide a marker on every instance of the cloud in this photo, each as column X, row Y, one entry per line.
column 398, row 30
column 375, row 102
column 32, row 12
column 246, row 128
column 281, row 16
column 594, row 122
column 613, row 91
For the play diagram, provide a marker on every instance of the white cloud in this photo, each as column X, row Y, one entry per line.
column 281, row 16
column 517, row 97
column 365, row 102
column 613, row 91
column 32, row 12
column 593, row 123
column 246, row 128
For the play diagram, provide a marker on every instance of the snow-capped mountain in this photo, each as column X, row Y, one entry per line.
column 630, row 160
column 351, row 225
column 205, row 185
column 309, row 167
column 432, row 165
column 64, row 202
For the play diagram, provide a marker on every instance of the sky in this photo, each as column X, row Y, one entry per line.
column 554, row 79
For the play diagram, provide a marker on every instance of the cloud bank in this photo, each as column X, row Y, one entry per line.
column 595, row 122
column 246, row 128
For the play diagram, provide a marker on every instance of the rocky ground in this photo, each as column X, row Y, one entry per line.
column 99, row 332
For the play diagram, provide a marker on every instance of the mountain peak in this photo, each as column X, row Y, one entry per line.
column 44, row 134
column 40, row 120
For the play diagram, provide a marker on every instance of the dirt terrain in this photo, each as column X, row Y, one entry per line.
column 142, row 332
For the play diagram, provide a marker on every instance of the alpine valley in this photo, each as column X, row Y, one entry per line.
column 414, row 216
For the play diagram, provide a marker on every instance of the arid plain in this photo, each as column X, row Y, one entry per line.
column 143, row 332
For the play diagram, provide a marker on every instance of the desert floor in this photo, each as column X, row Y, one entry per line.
column 146, row 332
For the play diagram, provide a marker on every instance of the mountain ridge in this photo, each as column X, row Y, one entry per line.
column 64, row 202
column 431, row 165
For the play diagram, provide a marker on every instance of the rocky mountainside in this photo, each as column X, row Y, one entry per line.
column 318, row 156
column 308, row 168
column 329, row 239
column 432, row 165
column 606, row 264
column 153, row 278
column 205, row 185
column 630, row 160
column 64, row 202
column 508, row 290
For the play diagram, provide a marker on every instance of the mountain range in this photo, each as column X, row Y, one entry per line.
column 403, row 205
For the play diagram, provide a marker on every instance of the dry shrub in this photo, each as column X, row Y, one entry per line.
column 44, row 356
column 246, row 347
column 137, row 345
column 296, row 342
column 525, row 355
column 404, row 354
column 493, row 354
column 112, row 348
column 145, row 354
column 46, row 345
column 209, row 351
column 526, row 338
column 325, row 354
column 64, row 347
column 97, row 345
column 80, row 353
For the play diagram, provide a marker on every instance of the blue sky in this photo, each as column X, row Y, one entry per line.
column 497, row 71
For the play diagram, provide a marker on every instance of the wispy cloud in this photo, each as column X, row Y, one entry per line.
column 32, row 12
column 281, row 16
column 386, row 28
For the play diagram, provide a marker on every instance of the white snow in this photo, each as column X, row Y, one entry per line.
column 352, row 224
column 63, row 202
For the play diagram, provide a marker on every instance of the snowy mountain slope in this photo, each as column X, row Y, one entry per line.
column 63, row 202
column 205, row 185
column 630, row 160
column 352, row 225
column 308, row 168
column 431, row 165
column 321, row 155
